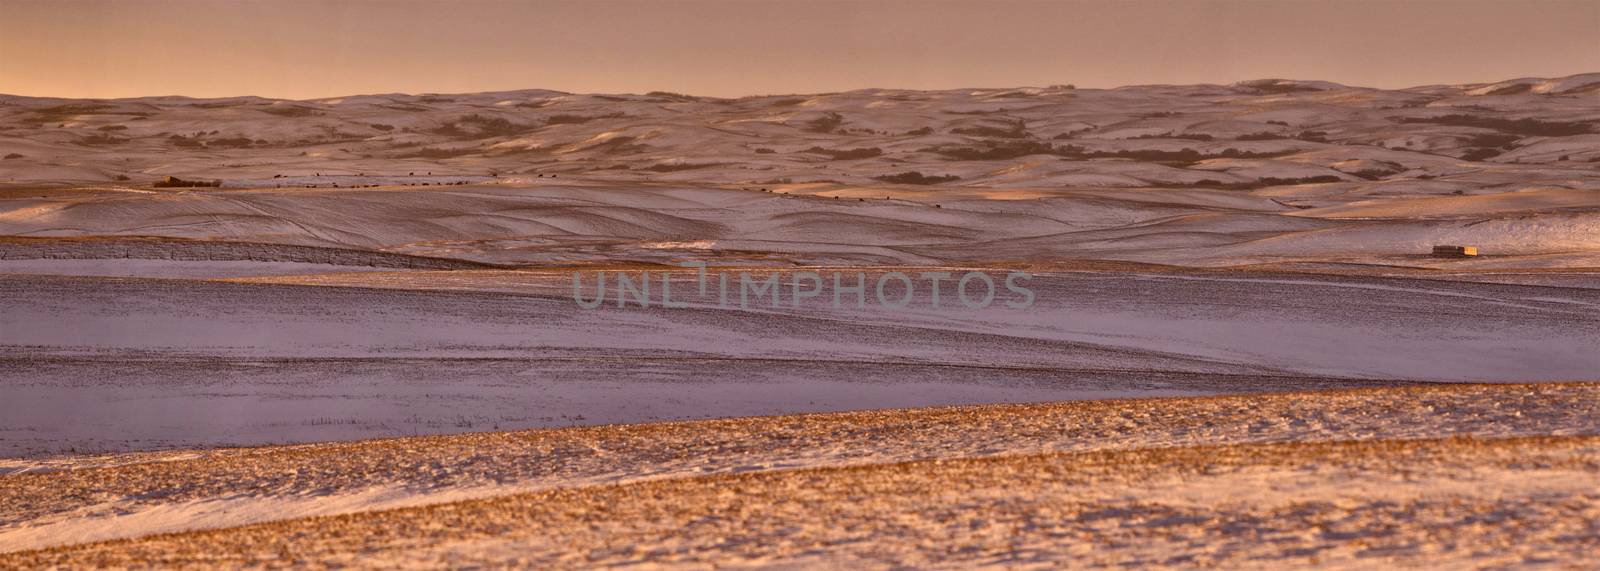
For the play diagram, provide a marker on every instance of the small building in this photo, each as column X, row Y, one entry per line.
column 1455, row 251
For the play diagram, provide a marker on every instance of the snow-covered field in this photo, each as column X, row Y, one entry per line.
column 1454, row 475
column 401, row 267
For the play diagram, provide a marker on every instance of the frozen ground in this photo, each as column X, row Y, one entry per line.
column 1356, row 478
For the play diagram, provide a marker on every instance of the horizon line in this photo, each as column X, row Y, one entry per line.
column 817, row 93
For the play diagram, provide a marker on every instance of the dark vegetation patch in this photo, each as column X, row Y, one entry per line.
column 917, row 178
column 477, row 126
column 920, row 131
column 1525, row 127
column 578, row 119
column 1016, row 129
column 1277, row 88
column 1370, row 174
column 183, row 142
column 670, row 96
column 1489, row 145
column 1181, row 156
column 914, row 177
column 1184, row 136
column 1313, row 136
column 992, row 151
column 846, row 154
column 1493, row 140
column 10, row 156
column 382, row 127
column 58, row 113
column 231, row 142
column 825, row 124
column 175, row 182
column 619, row 145
column 996, row 150
column 405, row 108
column 1013, row 95
column 1481, row 154
column 290, row 111
column 1258, row 183
column 1071, row 134
column 113, row 128
column 765, row 151
column 435, row 153
column 1263, row 136
column 1275, row 181
column 675, row 167
column 102, row 140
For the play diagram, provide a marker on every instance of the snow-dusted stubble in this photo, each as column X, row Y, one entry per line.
column 891, row 290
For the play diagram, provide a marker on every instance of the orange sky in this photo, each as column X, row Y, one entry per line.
column 310, row 49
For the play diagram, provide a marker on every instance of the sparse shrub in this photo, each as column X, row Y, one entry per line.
column 825, row 124
column 914, row 177
column 114, row 128
column 121, row 178
column 920, row 131
column 102, row 140
column 1493, row 140
column 846, row 154
column 1012, row 130
column 231, row 142
column 175, row 182
column 58, row 113
column 617, row 145
column 10, row 156
column 382, row 127
column 1276, row 87
column 1275, row 181
column 1313, row 136
column 764, row 151
column 290, row 111
column 994, row 151
column 578, row 119
column 671, row 96
column 1184, row 136
column 675, row 167
column 1525, row 127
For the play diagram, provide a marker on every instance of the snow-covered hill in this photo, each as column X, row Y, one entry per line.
column 1196, row 175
